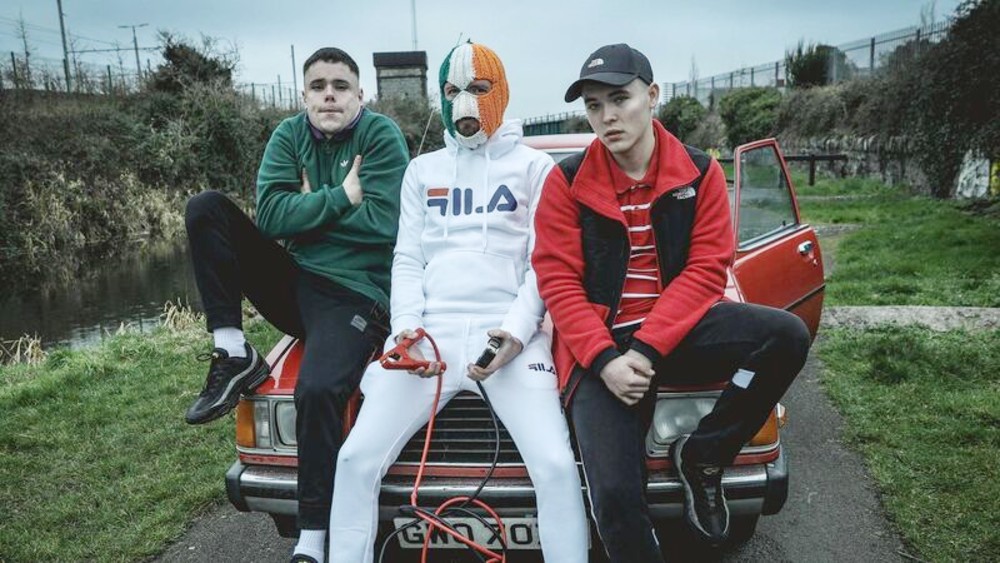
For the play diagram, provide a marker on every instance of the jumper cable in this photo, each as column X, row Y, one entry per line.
column 399, row 358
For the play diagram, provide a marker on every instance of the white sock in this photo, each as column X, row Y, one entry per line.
column 231, row 339
column 311, row 543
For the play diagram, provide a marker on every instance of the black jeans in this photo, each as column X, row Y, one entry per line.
column 770, row 343
column 342, row 330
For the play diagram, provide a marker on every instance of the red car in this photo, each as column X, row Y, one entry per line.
column 778, row 263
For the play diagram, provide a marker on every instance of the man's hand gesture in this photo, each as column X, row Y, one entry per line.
column 628, row 376
column 352, row 183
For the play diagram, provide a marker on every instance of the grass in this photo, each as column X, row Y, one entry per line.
column 98, row 464
column 909, row 250
column 924, row 409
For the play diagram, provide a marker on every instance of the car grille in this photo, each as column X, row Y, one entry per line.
column 463, row 434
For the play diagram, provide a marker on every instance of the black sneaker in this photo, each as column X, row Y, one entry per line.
column 705, row 509
column 227, row 378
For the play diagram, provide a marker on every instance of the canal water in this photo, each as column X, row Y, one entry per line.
column 130, row 290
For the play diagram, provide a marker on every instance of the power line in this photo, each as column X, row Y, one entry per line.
column 43, row 29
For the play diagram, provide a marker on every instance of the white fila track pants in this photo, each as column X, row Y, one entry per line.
column 398, row 403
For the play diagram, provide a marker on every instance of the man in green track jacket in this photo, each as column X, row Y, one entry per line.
column 328, row 190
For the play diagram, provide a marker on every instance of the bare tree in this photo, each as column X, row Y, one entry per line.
column 24, row 77
column 928, row 15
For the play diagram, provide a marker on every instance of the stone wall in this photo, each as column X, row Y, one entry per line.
column 401, row 83
column 890, row 160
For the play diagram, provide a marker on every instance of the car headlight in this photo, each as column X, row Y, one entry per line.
column 262, row 423
column 253, row 423
column 674, row 416
column 284, row 421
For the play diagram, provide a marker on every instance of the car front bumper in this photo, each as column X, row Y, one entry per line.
column 750, row 489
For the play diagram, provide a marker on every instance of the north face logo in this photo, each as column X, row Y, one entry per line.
column 461, row 201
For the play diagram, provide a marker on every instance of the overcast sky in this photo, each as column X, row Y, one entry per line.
column 542, row 43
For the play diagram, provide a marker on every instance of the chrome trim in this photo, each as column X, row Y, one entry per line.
column 771, row 236
column 448, row 464
column 806, row 297
column 283, row 452
column 273, row 505
column 497, row 491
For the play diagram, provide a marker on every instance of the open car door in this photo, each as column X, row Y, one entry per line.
column 778, row 260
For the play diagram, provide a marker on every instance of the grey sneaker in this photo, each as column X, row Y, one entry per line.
column 227, row 378
column 705, row 510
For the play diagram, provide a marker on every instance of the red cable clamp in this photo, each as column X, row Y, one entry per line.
column 399, row 356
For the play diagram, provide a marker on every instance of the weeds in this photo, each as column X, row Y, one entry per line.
column 25, row 350
column 180, row 316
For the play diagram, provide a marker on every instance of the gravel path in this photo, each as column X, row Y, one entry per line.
column 934, row 318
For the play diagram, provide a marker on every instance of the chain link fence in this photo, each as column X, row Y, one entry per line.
column 860, row 58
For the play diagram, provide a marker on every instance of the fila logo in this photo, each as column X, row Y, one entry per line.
column 461, row 201
column 595, row 62
column 542, row 367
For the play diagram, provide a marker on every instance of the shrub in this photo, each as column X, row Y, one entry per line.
column 576, row 124
column 710, row 133
column 749, row 114
column 681, row 116
column 185, row 65
column 810, row 113
column 816, row 65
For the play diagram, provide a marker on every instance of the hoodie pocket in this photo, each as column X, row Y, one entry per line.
column 471, row 281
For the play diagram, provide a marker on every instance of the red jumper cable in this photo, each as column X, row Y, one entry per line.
column 399, row 358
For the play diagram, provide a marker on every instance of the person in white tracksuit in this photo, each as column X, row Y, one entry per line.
column 462, row 271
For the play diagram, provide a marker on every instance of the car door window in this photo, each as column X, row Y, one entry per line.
column 765, row 204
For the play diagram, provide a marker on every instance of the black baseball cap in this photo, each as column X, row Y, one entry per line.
column 616, row 65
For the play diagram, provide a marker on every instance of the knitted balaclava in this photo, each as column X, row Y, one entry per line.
column 465, row 63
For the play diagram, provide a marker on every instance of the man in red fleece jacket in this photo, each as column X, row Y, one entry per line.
column 634, row 237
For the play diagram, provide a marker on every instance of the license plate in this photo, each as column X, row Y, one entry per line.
column 522, row 533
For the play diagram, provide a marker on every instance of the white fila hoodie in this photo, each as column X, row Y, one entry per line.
column 465, row 234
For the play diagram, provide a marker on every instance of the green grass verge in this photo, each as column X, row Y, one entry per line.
column 924, row 409
column 98, row 464
column 908, row 250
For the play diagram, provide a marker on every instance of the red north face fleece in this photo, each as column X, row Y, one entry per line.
column 581, row 329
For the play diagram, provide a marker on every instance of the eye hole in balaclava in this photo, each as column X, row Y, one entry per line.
column 464, row 64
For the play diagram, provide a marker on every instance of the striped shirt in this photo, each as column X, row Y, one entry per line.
column 642, row 280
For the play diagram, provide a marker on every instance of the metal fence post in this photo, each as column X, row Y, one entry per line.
column 110, row 84
column 13, row 67
column 871, row 58
column 776, row 82
column 751, row 78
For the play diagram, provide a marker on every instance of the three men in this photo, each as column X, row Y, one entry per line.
column 328, row 186
column 633, row 241
column 462, row 272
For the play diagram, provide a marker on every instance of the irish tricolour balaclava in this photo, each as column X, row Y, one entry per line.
column 465, row 63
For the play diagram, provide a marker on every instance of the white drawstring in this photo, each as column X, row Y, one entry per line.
column 485, row 191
